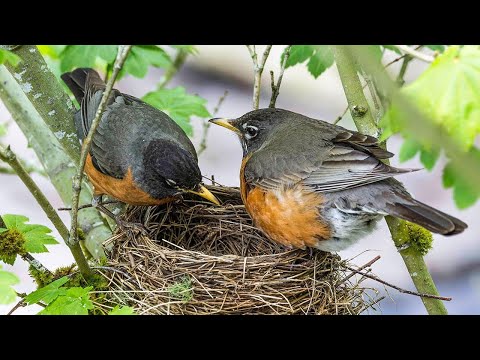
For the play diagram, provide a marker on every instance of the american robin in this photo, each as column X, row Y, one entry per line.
column 306, row 182
column 138, row 155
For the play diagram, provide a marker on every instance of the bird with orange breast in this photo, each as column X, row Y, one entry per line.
column 309, row 183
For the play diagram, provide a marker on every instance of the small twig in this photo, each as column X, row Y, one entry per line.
column 20, row 304
column 86, row 206
column 416, row 54
column 400, row 78
column 257, row 71
column 276, row 88
column 368, row 264
column 122, row 54
column 35, row 263
column 177, row 63
column 206, row 124
column 373, row 277
column 7, row 155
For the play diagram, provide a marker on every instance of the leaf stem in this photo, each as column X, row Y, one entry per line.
column 178, row 62
column 414, row 261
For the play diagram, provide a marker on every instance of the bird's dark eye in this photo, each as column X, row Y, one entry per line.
column 251, row 131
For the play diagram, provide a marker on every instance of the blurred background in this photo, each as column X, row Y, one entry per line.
column 454, row 262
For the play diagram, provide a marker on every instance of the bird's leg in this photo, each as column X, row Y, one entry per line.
column 124, row 225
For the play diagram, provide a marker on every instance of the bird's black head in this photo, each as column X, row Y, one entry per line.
column 170, row 170
column 255, row 127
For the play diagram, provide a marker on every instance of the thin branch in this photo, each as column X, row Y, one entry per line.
column 258, row 67
column 7, row 155
column 35, row 263
column 122, row 54
column 276, row 88
column 416, row 54
column 206, row 124
column 373, row 277
column 86, row 206
column 20, row 304
column 177, row 63
column 368, row 264
column 400, row 78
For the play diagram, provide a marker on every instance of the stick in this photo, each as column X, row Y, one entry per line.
column 206, row 124
column 276, row 88
column 257, row 71
column 122, row 54
column 416, row 54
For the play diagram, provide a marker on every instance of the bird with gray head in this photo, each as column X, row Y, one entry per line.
column 138, row 155
column 309, row 183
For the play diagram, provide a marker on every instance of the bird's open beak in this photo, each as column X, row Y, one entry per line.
column 226, row 123
column 206, row 194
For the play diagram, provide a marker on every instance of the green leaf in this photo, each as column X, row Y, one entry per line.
column 36, row 236
column 76, row 56
column 124, row 310
column 392, row 48
column 448, row 176
column 190, row 49
column 7, row 56
column 48, row 293
column 409, row 149
column 3, row 130
column 299, row 54
column 321, row 60
column 179, row 105
column 439, row 48
column 75, row 301
column 7, row 293
column 53, row 51
column 143, row 56
column 429, row 157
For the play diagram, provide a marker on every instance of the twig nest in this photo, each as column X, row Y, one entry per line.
column 204, row 259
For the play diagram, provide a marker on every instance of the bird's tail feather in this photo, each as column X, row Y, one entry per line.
column 431, row 219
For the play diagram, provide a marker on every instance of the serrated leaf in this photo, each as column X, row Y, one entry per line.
column 143, row 56
column 429, row 157
column 76, row 56
column 409, row 149
column 48, row 293
column 8, row 259
column 124, row 310
column 8, row 56
column 75, row 301
column 36, row 236
column 7, row 293
column 320, row 61
column 464, row 195
column 179, row 105
column 298, row 54
column 392, row 48
column 439, row 48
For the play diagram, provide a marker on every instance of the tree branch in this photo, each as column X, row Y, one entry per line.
column 35, row 263
column 47, row 96
column 276, row 88
column 58, row 166
column 366, row 124
column 178, row 62
column 257, row 71
column 416, row 54
column 7, row 155
column 122, row 54
column 206, row 124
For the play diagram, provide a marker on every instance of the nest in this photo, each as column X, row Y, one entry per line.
column 204, row 259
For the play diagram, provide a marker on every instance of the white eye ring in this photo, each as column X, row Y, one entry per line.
column 251, row 131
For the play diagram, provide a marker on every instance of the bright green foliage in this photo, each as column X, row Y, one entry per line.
column 76, row 56
column 463, row 193
column 74, row 301
column 319, row 57
column 7, row 56
column 7, row 293
column 36, row 236
column 124, row 310
column 179, row 105
column 143, row 56
column 448, row 93
column 190, row 49
column 3, row 130
column 439, row 48
column 48, row 293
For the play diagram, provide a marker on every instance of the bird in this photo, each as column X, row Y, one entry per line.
column 308, row 183
column 138, row 154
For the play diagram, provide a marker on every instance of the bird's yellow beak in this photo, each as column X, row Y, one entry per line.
column 206, row 194
column 226, row 123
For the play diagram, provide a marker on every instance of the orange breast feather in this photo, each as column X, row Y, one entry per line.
column 289, row 216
